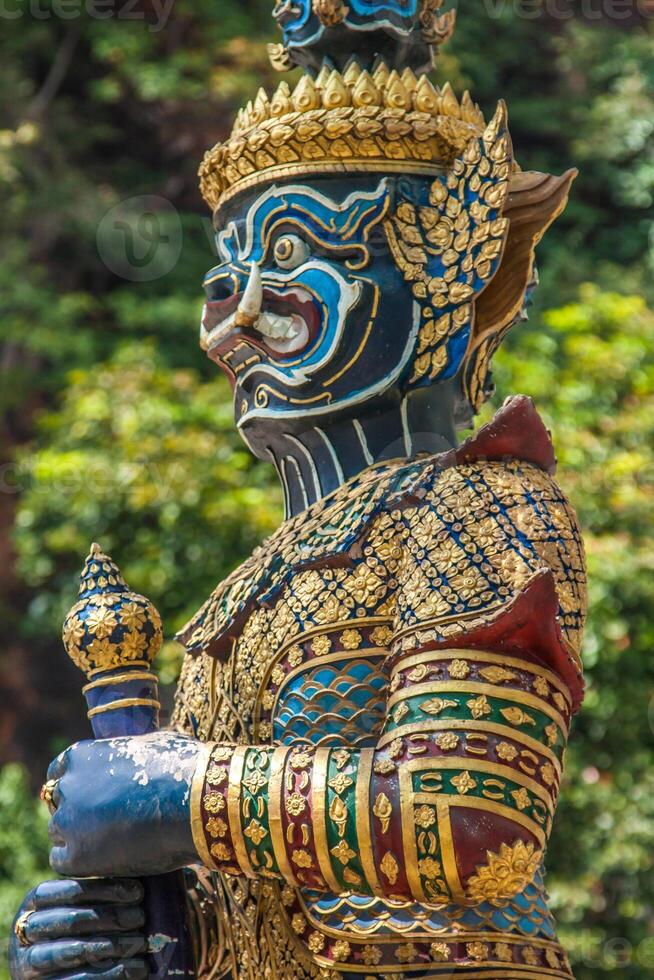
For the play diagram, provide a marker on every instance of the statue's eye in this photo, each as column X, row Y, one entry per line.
column 291, row 252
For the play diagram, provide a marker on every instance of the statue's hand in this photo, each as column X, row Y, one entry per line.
column 80, row 930
column 123, row 806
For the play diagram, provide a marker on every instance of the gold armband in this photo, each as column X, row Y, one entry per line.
column 455, row 803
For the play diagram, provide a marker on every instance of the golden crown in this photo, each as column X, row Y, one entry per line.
column 356, row 121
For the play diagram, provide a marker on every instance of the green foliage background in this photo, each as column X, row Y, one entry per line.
column 114, row 426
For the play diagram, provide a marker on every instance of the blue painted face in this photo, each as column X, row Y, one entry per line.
column 336, row 297
column 365, row 28
column 335, row 322
column 301, row 22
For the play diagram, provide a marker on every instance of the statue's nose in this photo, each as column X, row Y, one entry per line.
column 223, row 283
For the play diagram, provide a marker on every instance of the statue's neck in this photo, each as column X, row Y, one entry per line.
column 314, row 462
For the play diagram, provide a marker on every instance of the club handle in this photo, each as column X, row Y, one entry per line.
column 125, row 702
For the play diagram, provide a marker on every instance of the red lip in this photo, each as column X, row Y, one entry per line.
column 217, row 311
column 286, row 304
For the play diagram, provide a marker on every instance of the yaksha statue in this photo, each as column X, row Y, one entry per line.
column 368, row 738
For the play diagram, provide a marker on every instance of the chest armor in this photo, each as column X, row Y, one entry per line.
column 308, row 665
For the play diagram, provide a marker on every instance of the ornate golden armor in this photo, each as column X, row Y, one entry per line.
column 382, row 686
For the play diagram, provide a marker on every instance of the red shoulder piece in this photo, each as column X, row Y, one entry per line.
column 517, row 431
column 528, row 627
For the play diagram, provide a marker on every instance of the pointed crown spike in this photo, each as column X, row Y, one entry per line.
column 398, row 120
column 396, row 95
column 352, row 73
column 365, row 92
column 336, row 93
column 425, row 98
column 281, row 104
column 305, row 97
column 323, row 76
column 380, row 74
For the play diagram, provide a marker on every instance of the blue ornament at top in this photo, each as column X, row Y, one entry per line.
column 402, row 33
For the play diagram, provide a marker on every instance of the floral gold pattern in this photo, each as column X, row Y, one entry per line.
column 464, row 783
column 506, row 873
column 110, row 626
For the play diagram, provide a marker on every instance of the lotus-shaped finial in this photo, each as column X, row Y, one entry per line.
column 110, row 626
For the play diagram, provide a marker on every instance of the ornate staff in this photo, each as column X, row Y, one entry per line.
column 113, row 635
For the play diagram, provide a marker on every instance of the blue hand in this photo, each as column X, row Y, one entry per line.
column 78, row 930
column 123, row 806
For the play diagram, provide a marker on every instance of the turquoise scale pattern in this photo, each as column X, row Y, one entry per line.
column 329, row 704
column 527, row 915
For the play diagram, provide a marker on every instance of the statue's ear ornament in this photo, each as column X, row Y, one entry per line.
column 534, row 201
column 449, row 245
column 468, row 252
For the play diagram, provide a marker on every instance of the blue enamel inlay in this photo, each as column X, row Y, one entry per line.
column 303, row 14
column 404, row 9
column 526, row 915
column 305, row 26
column 456, row 349
column 317, row 703
column 333, row 225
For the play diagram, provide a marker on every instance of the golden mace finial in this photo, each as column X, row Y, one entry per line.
column 110, row 626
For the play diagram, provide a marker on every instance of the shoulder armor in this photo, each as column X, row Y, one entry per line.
column 333, row 529
column 491, row 542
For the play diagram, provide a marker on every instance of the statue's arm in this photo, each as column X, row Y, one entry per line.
column 465, row 775
column 469, row 762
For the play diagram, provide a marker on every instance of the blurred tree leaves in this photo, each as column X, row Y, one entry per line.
column 23, row 845
column 147, row 459
column 590, row 367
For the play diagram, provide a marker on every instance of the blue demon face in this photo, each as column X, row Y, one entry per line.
column 308, row 312
column 312, row 28
column 337, row 297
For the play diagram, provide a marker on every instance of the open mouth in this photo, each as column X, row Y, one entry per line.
column 287, row 323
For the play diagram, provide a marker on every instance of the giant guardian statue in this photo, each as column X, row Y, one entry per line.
column 367, row 746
